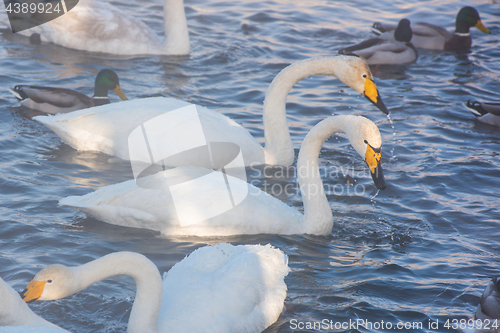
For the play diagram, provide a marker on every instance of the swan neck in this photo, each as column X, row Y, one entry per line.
column 176, row 29
column 278, row 143
column 146, row 307
column 318, row 217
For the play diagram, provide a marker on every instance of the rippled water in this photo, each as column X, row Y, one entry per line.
column 421, row 250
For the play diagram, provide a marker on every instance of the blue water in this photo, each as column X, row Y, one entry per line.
column 422, row 250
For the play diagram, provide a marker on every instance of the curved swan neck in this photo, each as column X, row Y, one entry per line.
column 145, row 311
column 318, row 217
column 176, row 29
column 278, row 146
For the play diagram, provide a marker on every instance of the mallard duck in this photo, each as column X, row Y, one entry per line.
column 378, row 51
column 98, row 26
column 489, row 304
column 60, row 100
column 221, row 288
column 429, row 36
column 488, row 113
column 488, row 310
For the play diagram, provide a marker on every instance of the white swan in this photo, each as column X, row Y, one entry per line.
column 221, row 288
column 97, row 26
column 107, row 128
column 196, row 201
column 17, row 317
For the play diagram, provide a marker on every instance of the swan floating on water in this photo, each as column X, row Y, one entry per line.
column 221, row 288
column 201, row 202
column 107, row 128
column 98, row 26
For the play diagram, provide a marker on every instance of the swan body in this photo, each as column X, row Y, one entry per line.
column 221, row 288
column 429, row 36
column 196, row 201
column 17, row 317
column 107, row 128
column 60, row 100
column 378, row 51
column 97, row 26
column 488, row 113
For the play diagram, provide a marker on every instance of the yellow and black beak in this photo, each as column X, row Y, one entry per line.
column 372, row 158
column 481, row 27
column 119, row 92
column 371, row 93
column 33, row 291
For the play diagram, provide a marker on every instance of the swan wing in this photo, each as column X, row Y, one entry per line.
column 190, row 201
column 229, row 288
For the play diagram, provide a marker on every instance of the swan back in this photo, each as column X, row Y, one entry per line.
column 15, row 312
column 228, row 288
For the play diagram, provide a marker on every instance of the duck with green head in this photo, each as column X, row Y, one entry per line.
column 430, row 36
column 378, row 51
column 61, row 100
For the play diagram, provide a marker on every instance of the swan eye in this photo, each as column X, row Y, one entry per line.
column 364, row 77
column 366, row 142
column 49, row 281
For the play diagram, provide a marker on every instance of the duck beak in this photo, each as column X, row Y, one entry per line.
column 371, row 93
column 372, row 158
column 119, row 92
column 481, row 27
column 33, row 291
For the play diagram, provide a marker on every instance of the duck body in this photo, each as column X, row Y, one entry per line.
column 433, row 37
column 107, row 128
column 97, row 26
column 221, row 288
column 489, row 304
column 202, row 202
column 488, row 113
column 17, row 317
column 60, row 100
column 379, row 51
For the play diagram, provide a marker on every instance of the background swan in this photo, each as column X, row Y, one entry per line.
column 221, row 288
column 60, row 100
column 107, row 128
column 97, row 26
column 182, row 201
column 17, row 317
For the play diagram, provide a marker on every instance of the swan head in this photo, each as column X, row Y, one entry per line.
column 357, row 75
column 52, row 282
column 367, row 141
